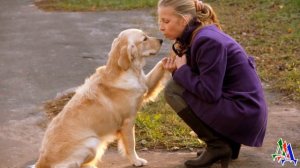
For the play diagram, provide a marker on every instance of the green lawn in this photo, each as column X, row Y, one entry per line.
column 94, row 5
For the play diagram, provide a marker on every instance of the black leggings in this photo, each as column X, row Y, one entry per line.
column 173, row 95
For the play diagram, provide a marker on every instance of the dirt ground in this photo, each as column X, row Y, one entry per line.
column 42, row 54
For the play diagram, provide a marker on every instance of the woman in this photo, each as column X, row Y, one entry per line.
column 215, row 88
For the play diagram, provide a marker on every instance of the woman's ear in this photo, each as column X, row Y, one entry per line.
column 185, row 20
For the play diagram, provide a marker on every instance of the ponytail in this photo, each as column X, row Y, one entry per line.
column 205, row 15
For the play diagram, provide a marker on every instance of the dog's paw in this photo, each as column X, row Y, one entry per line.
column 138, row 162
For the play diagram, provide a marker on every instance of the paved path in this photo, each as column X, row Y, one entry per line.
column 43, row 53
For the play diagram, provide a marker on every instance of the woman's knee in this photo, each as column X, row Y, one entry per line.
column 173, row 96
column 169, row 91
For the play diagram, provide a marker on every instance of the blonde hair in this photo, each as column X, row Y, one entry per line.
column 204, row 13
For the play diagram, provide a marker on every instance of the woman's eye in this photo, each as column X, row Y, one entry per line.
column 145, row 39
column 165, row 21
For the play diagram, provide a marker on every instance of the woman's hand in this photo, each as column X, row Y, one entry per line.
column 169, row 64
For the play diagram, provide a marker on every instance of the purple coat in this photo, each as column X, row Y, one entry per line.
column 222, row 86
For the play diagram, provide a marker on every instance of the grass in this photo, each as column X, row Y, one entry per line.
column 268, row 29
column 94, row 5
column 157, row 126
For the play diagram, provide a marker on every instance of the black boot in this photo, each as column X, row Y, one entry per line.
column 216, row 150
column 235, row 147
column 217, row 147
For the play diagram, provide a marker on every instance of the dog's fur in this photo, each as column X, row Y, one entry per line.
column 104, row 107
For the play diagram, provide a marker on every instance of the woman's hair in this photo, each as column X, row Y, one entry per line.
column 203, row 12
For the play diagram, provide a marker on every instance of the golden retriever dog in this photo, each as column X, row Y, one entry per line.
column 104, row 108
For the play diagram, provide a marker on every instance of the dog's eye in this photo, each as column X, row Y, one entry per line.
column 146, row 38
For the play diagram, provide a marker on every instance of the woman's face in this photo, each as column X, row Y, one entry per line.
column 170, row 23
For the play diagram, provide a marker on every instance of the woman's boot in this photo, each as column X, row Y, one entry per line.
column 235, row 147
column 217, row 147
column 216, row 150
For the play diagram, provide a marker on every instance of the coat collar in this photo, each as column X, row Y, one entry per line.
column 186, row 36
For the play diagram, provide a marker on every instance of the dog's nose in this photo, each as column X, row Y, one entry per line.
column 160, row 41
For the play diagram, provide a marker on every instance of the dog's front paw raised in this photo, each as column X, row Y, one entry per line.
column 138, row 162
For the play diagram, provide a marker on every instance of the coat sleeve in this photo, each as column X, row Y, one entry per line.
column 210, row 57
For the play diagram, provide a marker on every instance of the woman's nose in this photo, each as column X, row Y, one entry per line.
column 161, row 27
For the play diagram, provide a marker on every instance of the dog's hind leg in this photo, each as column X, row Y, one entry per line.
column 127, row 143
column 97, row 158
column 83, row 155
column 99, row 151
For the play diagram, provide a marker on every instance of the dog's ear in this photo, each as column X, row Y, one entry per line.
column 132, row 50
column 124, row 60
column 126, row 55
column 115, row 43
